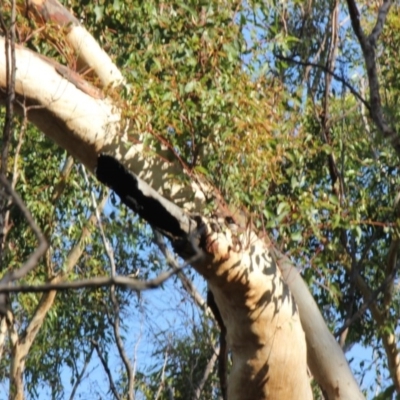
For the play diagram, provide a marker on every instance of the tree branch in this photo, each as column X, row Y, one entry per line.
column 9, row 34
column 161, row 386
column 328, row 71
column 94, row 283
column 88, row 51
column 34, row 258
column 387, row 335
column 383, row 288
column 10, row 74
column 80, row 375
column 106, row 369
column 368, row 45
column 98, row 282
column 328, row 367
column 380, row 22
column 148, row 204
column 116, row 321
column 207, row 371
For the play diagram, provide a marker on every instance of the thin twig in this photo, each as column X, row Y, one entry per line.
column 106, row 243
column 186, row 282
column 120, row 345
column 161, row 386
column 207, row 371
column 107, row 370
column 116, row 322
column 43, row 244
column 328, row 71
column 9, row 33
column 80, row 376
column 372, row 298
column 123, row 281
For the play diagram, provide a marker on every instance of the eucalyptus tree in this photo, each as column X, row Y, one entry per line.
column 235, row 131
